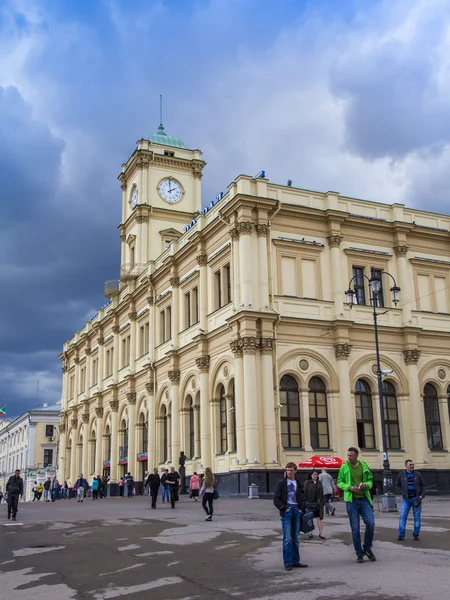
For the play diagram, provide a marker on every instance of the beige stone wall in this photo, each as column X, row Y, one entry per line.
column 267, row 268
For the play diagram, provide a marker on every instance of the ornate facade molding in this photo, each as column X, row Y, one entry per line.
column 123, row 187
column 101, row 341
column 114, row 404
column 88, row 351
column 116, row 329
column 85, row 417
column 150, row 387
column 342, row 351
column 99, row 412
column 62, row 427
column 174, row 281
column 244, row 227
column 174, row 376
column 141, row 219
column 267, row 345
column 401, row 250
column 236, row 348
column 74, row 423
column 150, row 299
column 132, row 315
column 131, row 398
column 411, row 356
column 202, row 259
column 262, row 230
column 234, row 233
column 250, row 344
column 202, row 363
column 334, row 240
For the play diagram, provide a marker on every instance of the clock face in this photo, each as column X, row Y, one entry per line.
column 170, row 190
column 134, row 197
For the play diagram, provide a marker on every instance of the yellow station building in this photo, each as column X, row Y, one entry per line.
column 228, row 335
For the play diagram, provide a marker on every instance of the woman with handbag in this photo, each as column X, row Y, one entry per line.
column 207, row 491
column 315, row 500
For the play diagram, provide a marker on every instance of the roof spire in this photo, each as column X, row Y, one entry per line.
column 161, row 126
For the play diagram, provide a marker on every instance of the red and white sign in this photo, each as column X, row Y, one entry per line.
column 317, row 462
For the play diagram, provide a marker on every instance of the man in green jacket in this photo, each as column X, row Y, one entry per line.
column 355, row 480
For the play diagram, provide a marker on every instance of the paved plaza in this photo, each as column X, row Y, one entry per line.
column 121, row 548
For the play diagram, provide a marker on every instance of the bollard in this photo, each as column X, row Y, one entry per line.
column 253, row 490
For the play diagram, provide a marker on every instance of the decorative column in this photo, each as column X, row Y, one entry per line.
column 262, row 230
column 61, row 453
column 230, row 424
column 132, row 458
column 334, row 242
column 65, row 386
column 73, row 454
column 142, row 221
column 101, row 368
column 132, row 316
column 114, row 404
column 197, row 447
column 123, row 240
column 76, row 385
column 159, row 454
column 202, row 261
column 234, row 234
column 245, row 265
column 85, row 450
column 174, row 378
column 151, row 446
column 445, row 422
column 401, row 251
column 169, row 437
column 175, row 326
column 347, row 410
column 249, row 347
column 197, row 172
column 202, row 363
column 304, row 419
column 98, row 441
column 416, row 409
column 267, row 346
column 236, row 349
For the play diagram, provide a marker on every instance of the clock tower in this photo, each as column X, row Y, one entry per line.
column 161, row 193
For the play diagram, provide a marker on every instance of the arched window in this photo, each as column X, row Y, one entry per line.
column 223, row 419
column 318, row 414
column 144, row 433
column 164, row 436
column 290, row 413
column 93, row 451
column 191, row 430
column 391, row 423
column 233, row 421
column 448, row 401
column 364, row 415
column 108, row 443
column 432, row 418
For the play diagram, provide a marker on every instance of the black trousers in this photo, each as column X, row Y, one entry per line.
column 154, row 495
column 208, row 498
column 173, row 494
column 13, row 503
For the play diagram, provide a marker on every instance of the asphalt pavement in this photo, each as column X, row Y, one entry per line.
column 121, row 548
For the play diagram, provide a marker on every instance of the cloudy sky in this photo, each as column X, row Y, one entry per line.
column 351, row 96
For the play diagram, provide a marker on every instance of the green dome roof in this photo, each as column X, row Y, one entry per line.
column 161, row 137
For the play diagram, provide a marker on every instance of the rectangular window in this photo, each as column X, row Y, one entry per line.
column 195, row 305
column 187, row 310
column 109, row 362
column 162, row 327
column 126, row 345
column 144, row 339
column 218, row 289
column 49, row 431
column 82, row 379
column 94, row 377
column 71, row 387
column 377, row 274
column 227, row 275
column 169, row 322
column 358, row 285
column 48, row 458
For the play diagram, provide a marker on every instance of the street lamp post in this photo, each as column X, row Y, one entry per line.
column 388, row 501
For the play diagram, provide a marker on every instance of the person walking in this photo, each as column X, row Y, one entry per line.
column 207, row 492
column 35, row 491
column 290, row 500
column 14, row 489
column 410, row 485
column 329, row 490
column 40, row 491
column 94, row 487
column 314, row 500
column 355, row 479
column 173, row 481
column 164, row 486
column 47, row 485
column 54, row 487
column 129, row 482
column 194, row 486
column 153, row 482
column 81, row 485
column 121, row 486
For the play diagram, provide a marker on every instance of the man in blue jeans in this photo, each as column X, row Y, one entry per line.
column 355, row 480
column 289, row 499
column 164, row 486
column 410, row 485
